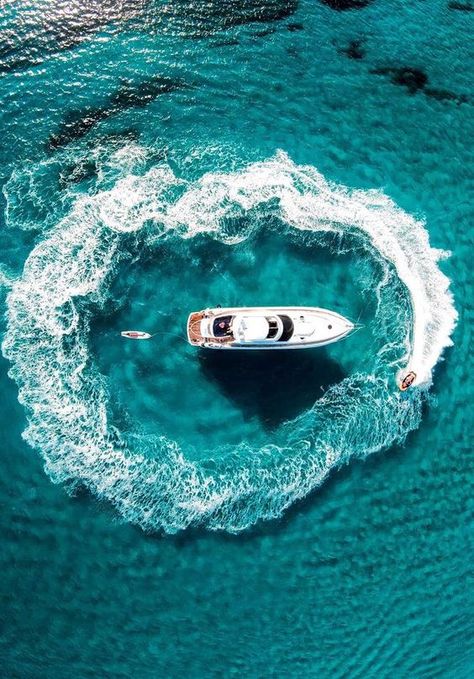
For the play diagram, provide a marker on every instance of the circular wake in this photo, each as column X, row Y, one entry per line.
column 150, row 480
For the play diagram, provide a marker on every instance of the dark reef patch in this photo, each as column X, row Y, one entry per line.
column 414, row 79
column 295, row 27
column 354, row 50
column 76, row 124
column 461, row 6
column 446, row 95
column 344, row 5
column 131, row 95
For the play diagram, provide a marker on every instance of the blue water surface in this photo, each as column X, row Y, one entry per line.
column 171, row 513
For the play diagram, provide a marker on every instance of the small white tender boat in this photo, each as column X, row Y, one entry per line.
column 136, row 334
column 266, row 328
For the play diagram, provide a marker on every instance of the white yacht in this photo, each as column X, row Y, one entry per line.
column 266, row 328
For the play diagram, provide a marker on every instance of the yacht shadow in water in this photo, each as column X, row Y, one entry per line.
column 274, row 386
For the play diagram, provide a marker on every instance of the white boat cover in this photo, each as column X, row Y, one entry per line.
column 250, row 328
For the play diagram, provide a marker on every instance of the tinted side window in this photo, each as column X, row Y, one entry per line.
column 288, row 328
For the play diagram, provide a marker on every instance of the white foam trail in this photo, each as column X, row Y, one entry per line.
column 47, row 344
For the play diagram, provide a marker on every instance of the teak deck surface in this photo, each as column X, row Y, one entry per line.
column 194, row 327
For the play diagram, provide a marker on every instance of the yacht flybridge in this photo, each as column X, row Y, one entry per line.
column 266, row 328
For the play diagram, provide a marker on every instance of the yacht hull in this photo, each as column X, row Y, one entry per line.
column 266, row 328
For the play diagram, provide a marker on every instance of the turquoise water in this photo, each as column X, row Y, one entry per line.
column 173, row 513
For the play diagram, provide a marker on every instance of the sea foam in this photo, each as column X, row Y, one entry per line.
column 149, row 479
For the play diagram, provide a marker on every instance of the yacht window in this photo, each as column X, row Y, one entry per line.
column 288, row 328
column 221, row 326
column 272, row 328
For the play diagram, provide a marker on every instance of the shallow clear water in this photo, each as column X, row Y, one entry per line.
column 160, row 158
